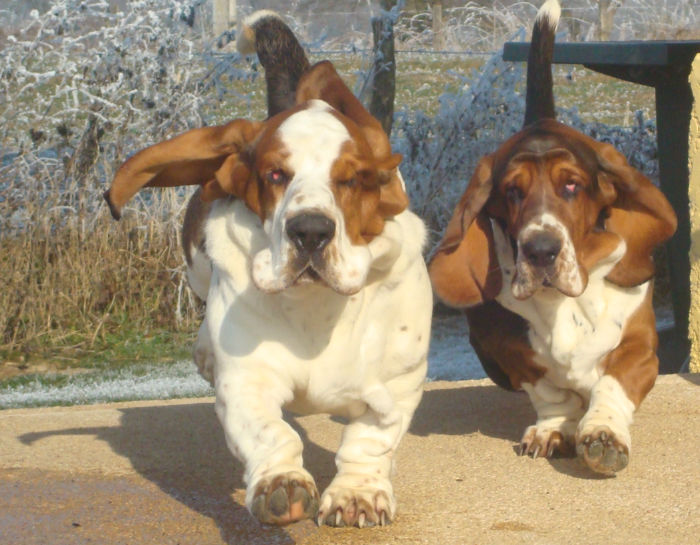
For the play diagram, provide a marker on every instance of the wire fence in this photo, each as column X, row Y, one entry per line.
column 83, row 86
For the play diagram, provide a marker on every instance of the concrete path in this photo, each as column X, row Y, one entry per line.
column 159, row 473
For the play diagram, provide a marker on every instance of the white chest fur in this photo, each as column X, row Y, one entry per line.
column 333, row 352
column 572, row 334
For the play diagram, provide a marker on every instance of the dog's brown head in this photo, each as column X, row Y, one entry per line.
column 566, row 202
column 320, row 175
column 247, row 159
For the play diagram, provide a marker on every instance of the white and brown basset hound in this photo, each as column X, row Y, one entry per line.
column 317, row 295
column 549, row 249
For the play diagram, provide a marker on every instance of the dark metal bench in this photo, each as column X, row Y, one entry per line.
column 665, row 66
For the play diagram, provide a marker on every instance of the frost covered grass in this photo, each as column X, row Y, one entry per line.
column 84, row 86
column 450, row 358
column 103, row 385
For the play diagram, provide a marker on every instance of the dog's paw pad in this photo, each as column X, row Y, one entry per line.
column 285, row 498
column 602, row 451
column 545, row 443
column 361, row 508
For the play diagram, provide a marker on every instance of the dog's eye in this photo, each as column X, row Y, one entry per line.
column 350, row 182
column 570, row 189
column 277, row 177
column 514, row 194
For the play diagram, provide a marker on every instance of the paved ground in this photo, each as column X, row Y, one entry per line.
column 159, row 473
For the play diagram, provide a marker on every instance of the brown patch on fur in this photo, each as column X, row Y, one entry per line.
column 634, row 362
column 641, row 215
column 323, row 82
column 469, row 274
column 499, row 338
column 357, row 180
column 191, row 158
column 464, row 271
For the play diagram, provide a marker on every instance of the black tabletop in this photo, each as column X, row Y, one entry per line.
column 634, row 53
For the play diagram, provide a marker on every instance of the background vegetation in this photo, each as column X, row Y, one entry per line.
column 86, row 83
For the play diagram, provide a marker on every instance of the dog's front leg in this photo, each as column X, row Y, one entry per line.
column 361, row 494
column 558, row 413
column 203, row 353
column 279, row 489
column 603, row 439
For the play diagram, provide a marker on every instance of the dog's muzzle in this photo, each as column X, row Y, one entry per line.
column 542, row 249
column 310, row 233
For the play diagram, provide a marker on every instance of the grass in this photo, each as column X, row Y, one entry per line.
column 76, row 298
column 601, row 98
column 104, row 384
column 84, row 292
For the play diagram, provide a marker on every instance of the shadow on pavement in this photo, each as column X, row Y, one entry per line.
column 181, row 449
column 491, row 411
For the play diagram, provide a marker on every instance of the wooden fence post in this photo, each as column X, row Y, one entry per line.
column 606, row 14
column 438, row 26
column 223, row 16
column 383, row 84
column 694, row 199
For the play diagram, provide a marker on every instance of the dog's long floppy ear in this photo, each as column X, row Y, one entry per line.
column 192, row 158
column 641, row 215
column 322, row 82
column 464, row 269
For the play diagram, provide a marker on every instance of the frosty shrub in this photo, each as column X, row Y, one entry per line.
column 482, row 25
column 475, row 26
column 86, row 87
column 83, row 86
column 441, row 152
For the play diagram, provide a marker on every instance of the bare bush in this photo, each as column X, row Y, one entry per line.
column 481, row 25
column 84, row 85
column 441, row 152
column 658, row 20
column 469, row 27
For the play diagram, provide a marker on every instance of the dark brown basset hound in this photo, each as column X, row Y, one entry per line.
column 550, row 250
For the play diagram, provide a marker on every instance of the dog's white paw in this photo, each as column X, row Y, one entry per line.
column 284, row 498
column 546, row 442
column 602, row 450
column 357, row 500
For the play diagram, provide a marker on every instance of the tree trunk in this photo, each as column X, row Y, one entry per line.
column 606, row 14
column 438, row 26
column 383, row 83
column 232, row 13
column 220, row 17
column 573, row 24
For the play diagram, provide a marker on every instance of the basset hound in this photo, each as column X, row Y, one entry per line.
column 550, row 251
column 317, row 295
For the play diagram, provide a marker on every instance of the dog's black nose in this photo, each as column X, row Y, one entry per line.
column 542, row 249
column 310, row 232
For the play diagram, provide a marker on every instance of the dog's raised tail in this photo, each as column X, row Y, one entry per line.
column 280, row 53
column 539, row 98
